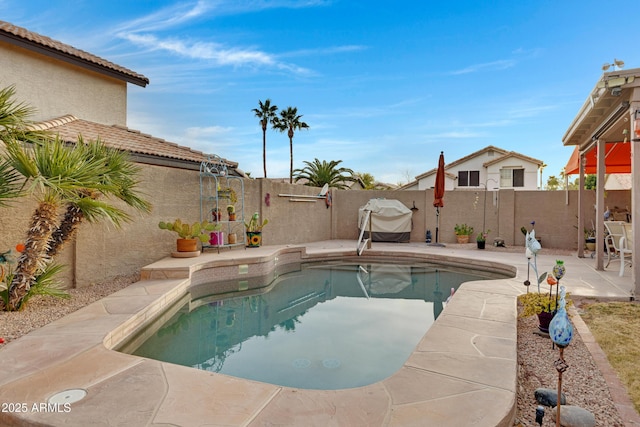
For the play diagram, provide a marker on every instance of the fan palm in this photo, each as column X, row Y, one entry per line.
column 289, row 120
column 267, row 114
column 70, row 177
column 13, row 125
column 318, row 173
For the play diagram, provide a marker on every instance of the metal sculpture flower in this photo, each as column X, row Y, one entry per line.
column 560, row 328
column 532, row 248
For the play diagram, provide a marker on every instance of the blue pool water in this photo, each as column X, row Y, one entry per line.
column 318, row 327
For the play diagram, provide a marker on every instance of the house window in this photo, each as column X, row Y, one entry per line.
column 468, row 178
column 511, row 177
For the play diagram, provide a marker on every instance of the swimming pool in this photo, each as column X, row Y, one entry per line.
column 329, row 325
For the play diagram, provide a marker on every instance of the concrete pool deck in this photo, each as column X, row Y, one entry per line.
column 470, row 353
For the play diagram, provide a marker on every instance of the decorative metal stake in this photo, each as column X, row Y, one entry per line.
column 561, row 333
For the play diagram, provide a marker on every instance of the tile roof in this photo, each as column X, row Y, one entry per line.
column 515, row 155
column 68, row 128
column 502, row 154
column 33, row 41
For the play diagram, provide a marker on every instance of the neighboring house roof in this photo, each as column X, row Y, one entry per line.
column 514, row 155
column 384, row 186
column 464, row 159
column 425, row 175
column 502, row 155
column 35, row 42
column 144, row 148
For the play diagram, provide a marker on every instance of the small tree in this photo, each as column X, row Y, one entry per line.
column 367, row 179
column 79, row 179
column 590, row 182
column 73, row 178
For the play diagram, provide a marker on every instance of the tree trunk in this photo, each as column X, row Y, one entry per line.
column 34, row 257
column 290, row 157
column 264, row 147
column 72, row 219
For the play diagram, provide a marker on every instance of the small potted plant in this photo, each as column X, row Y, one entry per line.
column 216, row 215
column 481, row 239
column 231, row 210
column 542, row 304
column 189, row 234
column 590, row 238
column 463, row 231
column 254, row 230
column 229, row 194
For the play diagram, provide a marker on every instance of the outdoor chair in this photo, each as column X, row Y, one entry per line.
column 619, row 242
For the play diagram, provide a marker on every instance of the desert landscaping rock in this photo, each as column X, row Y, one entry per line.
column 574, row 416
column 549, row 397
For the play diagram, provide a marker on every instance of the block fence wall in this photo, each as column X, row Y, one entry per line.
column 101, row 252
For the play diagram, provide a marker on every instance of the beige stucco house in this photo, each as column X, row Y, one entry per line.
column 490, row 167
column 75, row 92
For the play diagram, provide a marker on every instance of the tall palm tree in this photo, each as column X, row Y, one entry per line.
column 267, row 114
column 59, row 176
column 320, row 173
column 289, row 120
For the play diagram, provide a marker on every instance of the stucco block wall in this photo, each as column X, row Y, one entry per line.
column 101, row 251
column 104, row 251
column 58, row 88
column 347, row 203
column 289, row 221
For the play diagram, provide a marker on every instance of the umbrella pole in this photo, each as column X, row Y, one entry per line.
column 437, row 222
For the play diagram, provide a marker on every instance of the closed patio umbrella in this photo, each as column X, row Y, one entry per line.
column 438, row 194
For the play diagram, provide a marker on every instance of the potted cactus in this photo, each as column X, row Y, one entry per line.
column 189, row 234
column 231, row 210
column 254, row 230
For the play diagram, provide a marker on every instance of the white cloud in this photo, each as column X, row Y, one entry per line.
column 487, row 66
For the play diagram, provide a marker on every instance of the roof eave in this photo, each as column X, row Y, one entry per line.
column 71, row 59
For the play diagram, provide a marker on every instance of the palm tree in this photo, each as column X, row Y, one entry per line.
column 289, row 120
column 74, row 178
column 368, row 180
column 267, row 114
column 13, row 125
column 320, row 173
column 118, row 180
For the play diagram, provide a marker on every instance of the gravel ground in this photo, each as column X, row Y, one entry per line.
column 582, row 383
column 41, row 310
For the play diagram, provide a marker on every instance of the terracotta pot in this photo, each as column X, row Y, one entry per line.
column 232, row 217
column 187, row 245
column 462, row 238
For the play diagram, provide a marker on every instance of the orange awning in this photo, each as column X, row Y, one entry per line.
column 617, row 159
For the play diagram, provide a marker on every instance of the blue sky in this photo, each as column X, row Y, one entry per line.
column 384, row 86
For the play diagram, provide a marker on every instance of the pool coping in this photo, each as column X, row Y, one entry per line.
column 470, row 352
